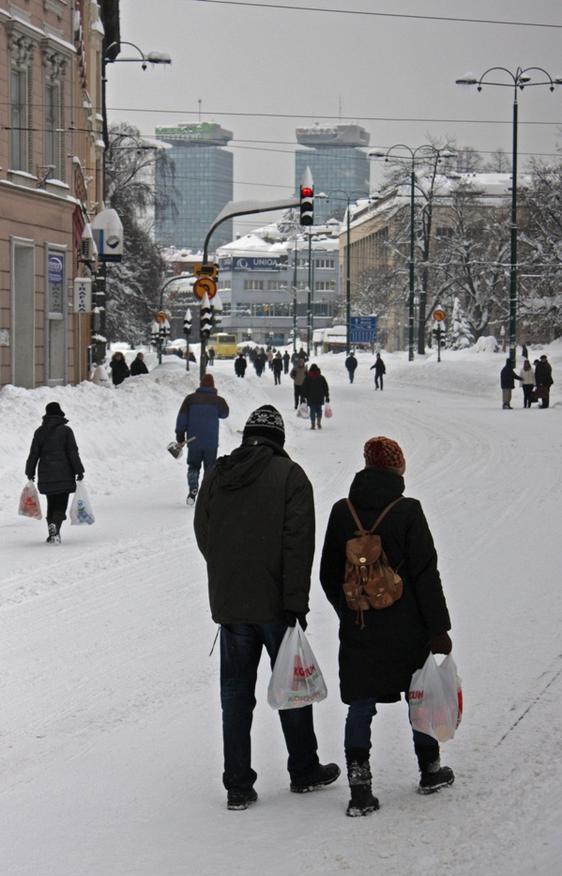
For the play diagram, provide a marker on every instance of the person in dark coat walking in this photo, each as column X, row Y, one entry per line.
column 298, row 374
column 507, row 383
column 543, row 380
column 240, row 365
column 54, row 448
column 119, row 368
column 351, row 365
column 198, row 419
column 380, row 370
column 316, row 393
column 286, row 362
column 256, row 593
column 138, row 365
column 377, row 659
column 277, row 368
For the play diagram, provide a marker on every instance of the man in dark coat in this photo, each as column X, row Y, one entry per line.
column 198, row 419
column 240, row 365
column 258, row 590
column 351, row 365
column 138, row 365
column 380, row 370
column 378, row 658
column 119, row 368
column 286, row 362
column 543, row 380
column 507, row 383
column 54, row 448
column 277, row 368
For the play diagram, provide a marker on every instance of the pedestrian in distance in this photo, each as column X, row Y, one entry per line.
column 380, row 370
column 286, row 362
column 138, row 365
column 211, row 356
column 379, row 655
column 524, row 351
column 277, row 368
column 197, row 424
column 507, row 384
column 298, row 374
column 119, row 368
column 351, row 365
column 55, row 452
column 527, row 376
column 240, row 365
column 257, row 593
column 316, row 393
column 543, row 380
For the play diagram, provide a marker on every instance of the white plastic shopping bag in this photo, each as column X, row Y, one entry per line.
column 435, row 699
column 302, row 410
column 327, row 411
column 296, row 679
column 29, row 505
column 81, row 510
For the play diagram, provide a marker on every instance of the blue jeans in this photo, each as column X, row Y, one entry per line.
column 196, row 457
column 358, row 733
column 315, row 413
column 241, row 647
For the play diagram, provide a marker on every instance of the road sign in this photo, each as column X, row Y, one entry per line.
column 439, row 315
column 205, row 286
column 363, row 329
column 210, row 269
column 160, row 317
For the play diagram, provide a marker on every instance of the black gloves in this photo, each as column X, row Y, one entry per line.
column 80, row 477
column 291, row 617
column 441, row 644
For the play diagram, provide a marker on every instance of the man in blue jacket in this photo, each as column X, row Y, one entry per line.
column 198, row 419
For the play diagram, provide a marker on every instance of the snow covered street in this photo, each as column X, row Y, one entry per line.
column 110, row 725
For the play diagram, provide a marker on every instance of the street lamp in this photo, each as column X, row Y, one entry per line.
column 520, row 79
column 412, row 156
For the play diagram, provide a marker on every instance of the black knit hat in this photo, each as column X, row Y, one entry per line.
column 265, row 422
column 53, row 409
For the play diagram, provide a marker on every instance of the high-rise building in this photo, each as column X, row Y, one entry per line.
column 338, row 165
column 190, row 198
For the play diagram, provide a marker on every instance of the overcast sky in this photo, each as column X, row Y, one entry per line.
column 317, row 66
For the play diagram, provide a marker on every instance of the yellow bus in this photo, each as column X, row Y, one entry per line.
column 223, row 344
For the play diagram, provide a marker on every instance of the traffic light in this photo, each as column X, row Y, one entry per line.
column 187, row 321
column 307, row 199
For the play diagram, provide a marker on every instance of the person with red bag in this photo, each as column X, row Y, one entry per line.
column 54, row 449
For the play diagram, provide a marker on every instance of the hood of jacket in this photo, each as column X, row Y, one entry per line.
column 51, row 421
column 245, row 464
column 375, row 488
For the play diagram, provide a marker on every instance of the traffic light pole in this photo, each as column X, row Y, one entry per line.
column 230, row 211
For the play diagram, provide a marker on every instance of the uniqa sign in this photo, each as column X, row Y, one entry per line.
column 261, row 263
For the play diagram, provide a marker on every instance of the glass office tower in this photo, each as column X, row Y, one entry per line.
column 201, row 184
column 338, row 164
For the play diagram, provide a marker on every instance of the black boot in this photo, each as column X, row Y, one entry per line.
column 359, row 777
column 435, row 777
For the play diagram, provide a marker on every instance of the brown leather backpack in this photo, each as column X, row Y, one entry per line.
column 369, row 579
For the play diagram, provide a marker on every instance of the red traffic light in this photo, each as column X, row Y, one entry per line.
column 307, row 192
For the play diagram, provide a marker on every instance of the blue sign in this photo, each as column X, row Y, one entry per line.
column 251, row 263
column 363, row 329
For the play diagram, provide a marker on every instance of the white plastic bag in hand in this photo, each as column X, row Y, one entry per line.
column 302, row 410
column 29, row 505
column 296, row 679
column 81, row 510
column 328, row 411
column 435, row 699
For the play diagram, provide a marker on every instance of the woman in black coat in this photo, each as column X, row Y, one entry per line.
column 54, row 448
column 315, row 392
column 378, row 657
column 119, row 368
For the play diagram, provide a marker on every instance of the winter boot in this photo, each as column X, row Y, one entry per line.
column 237, row 801
column 435, row 777
column 319, row 777
column 51, row 538
column 359, row 777
column 191, row 496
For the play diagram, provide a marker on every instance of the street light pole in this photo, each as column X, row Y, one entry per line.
column 309, row 297
column 295, row 294
column 411, row 268
column 348, row 281
column 519, row 80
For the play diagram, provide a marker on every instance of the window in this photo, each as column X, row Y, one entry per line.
column 54, row 157
column 253, row 285
column 20, row 122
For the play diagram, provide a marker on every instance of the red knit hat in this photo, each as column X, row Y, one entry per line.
column 381, row 452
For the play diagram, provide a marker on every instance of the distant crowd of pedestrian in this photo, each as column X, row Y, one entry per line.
column 535, row 379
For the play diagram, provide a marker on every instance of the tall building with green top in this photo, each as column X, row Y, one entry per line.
column 190, row 198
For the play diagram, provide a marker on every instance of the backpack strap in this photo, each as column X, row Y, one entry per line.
column 383, row 514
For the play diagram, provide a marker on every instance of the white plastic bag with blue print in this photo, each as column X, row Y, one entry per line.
column 296, row 680
column 81, row 510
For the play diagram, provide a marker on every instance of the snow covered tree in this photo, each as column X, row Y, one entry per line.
column 459, row 334
column 132, row 287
